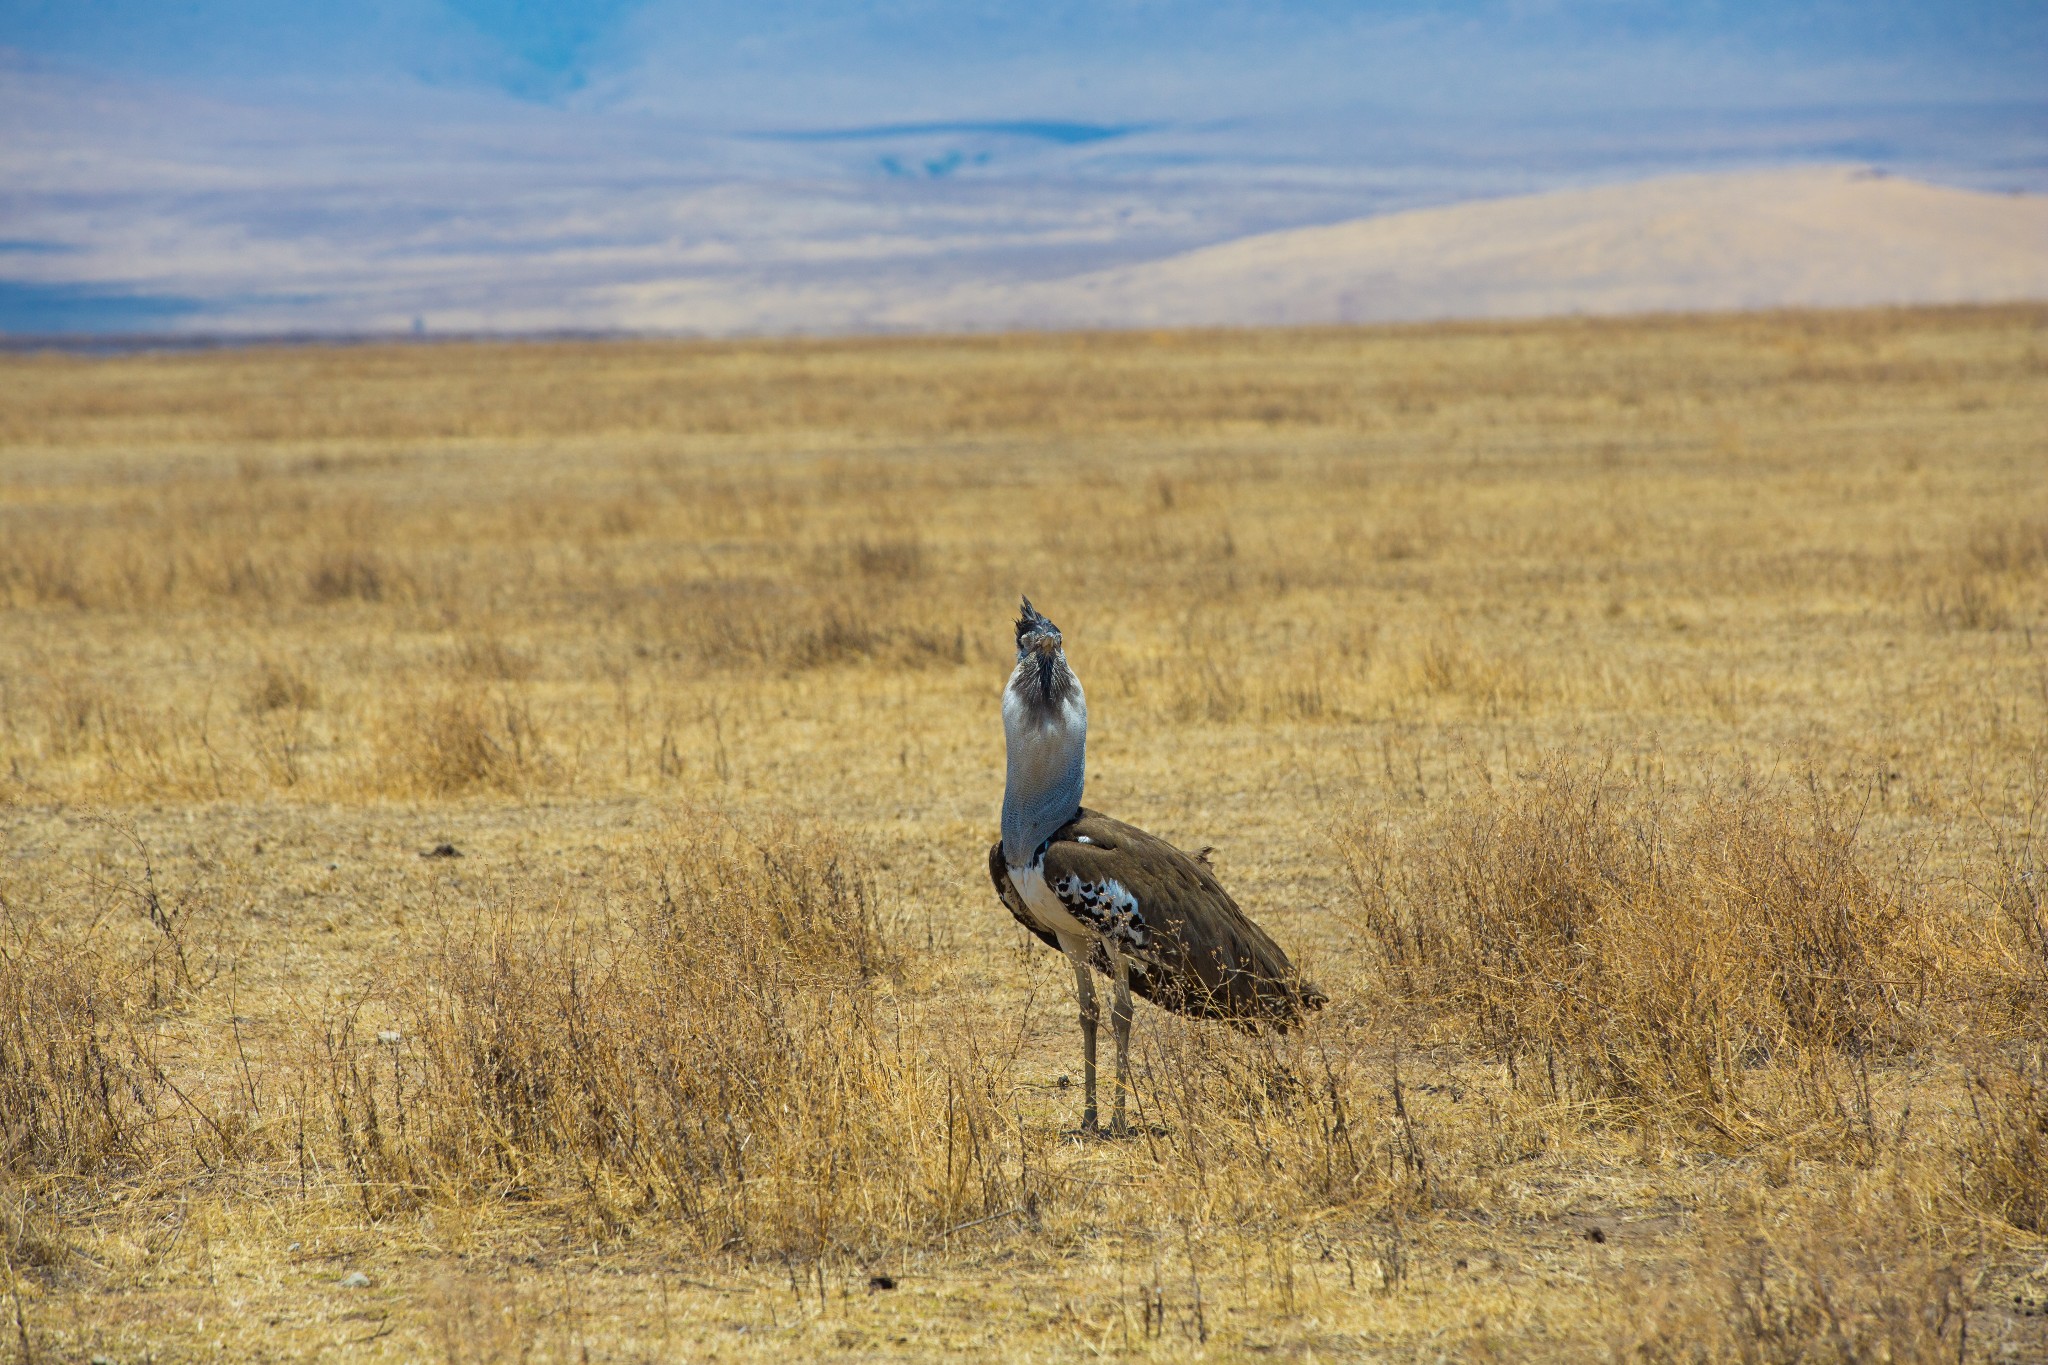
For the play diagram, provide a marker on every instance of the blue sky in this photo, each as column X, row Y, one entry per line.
column 745, row 63
column 282, row 164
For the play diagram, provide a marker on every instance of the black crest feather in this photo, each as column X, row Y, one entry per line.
column 1029, row 621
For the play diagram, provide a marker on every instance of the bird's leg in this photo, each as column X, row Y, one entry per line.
column 1120, row 1023
column 1084, row 986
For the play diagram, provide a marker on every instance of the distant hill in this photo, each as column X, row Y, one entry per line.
column 1812, row 236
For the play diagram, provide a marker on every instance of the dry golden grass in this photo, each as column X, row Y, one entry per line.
column 1640, row 729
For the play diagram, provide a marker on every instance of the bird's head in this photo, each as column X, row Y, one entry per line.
column 1040, row 657
column 1036, row 636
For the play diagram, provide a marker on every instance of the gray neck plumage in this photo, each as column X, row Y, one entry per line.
column 1045, row 733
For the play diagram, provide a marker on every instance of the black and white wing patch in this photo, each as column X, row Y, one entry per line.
column 1109, row 908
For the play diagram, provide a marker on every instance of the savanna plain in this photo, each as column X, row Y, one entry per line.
column 493, row 845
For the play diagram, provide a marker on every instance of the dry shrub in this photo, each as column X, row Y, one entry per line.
column 1394, row 544
column 31, row 1235
column 2014, row 884
column 1445, row 666
column 130, row 743
column 1645, row 952
column 348, row 575
column 1206, row 691
column 236, row 562
column 77, row 715
column 1968, row 601
column 1839, row 1280
column 1983, row 582
column 79, row 1082
column 890, row 557
column 464, row 741
column 2009, row 547
column 724, row 625
column 490, row 659
column 2003, row 1151
column 1249, row 1129
column 34, row 572
column 840, row 635
column 280, row 687
column 749, row 628
column 727, row 1057
column 1822, row 1301
column 919, row 646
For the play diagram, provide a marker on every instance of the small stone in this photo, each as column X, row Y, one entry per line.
column 102, row 1360
column 1596, row 1234
column 355, row 1279
column 390, row 1037
column 881, row 1281
column 291, row 1249
column 442, row 851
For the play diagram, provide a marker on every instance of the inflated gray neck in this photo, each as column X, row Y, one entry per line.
column 1046, row 743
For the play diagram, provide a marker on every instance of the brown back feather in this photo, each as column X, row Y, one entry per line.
column 1211, row 961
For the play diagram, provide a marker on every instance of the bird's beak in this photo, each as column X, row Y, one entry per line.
column 1045, row 646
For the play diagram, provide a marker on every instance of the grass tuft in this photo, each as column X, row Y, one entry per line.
column 723, row 1057
column 1613, row 941
column 2003, row 1153
column 464, row 740
column 348, row 575
column 80, row 1076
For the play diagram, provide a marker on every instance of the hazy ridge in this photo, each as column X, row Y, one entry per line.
column 1829, row 236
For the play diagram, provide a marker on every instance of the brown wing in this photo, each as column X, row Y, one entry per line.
column 1190, row 948
column 1140, row 974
